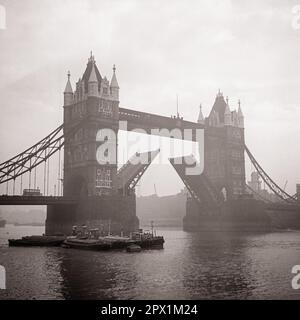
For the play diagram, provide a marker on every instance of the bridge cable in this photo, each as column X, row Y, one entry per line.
column 266, row 178
column 48, row 176
column 34, row 178
column 58, row 178
column 45, row 166
column 32, row 157
column 21, row 185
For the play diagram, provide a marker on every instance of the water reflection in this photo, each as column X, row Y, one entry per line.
column 93, row 275
column 216, row 266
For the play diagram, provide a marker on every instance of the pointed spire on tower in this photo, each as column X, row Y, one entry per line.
column 227, row 115
column 200, row 117
column 227, row 109
column 91, row 58
column 68, row 93
column 68, row 88
column 93, row 76
column 93, row 82
column 114, row 81
column 240, row 116
column 240, row 113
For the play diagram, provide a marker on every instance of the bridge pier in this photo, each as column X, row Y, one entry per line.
column 60, row 218
column 233, row 215
column 115, row 213
column 285, row 219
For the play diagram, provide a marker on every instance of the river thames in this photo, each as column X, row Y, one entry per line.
column 191, row 266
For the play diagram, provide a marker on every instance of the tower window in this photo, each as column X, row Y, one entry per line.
column 103, row 178
column 236, row 170
column 236, row 154
column 105, row 108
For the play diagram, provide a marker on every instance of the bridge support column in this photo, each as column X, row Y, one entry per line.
column 60, row 218
column 115, row 213
column 233, row 215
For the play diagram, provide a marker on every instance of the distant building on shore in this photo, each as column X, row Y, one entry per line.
column 165, row 211
column 298, row 191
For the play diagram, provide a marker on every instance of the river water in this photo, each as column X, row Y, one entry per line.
column 191, row 266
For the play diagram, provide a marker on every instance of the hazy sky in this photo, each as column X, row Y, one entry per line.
column 248, row 49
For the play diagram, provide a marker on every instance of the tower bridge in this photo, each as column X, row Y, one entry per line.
column 97, row 192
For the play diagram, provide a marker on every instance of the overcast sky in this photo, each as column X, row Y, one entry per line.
column 248, row 49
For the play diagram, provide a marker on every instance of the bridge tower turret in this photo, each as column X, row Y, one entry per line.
column 240, row 116
column 227, row 115
column 114, row 86
column 93, row 82
column 68, row 93
column 200, row 117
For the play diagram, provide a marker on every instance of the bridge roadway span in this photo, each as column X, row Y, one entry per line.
column 6, row 200
column 35, row 200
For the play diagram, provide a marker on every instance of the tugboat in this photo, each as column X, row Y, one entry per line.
column 90, row 239
column 148, row 240
column 87, row 244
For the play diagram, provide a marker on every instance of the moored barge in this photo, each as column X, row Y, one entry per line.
column 37, row 241
column 86, row 239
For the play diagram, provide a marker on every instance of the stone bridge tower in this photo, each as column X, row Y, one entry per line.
column 224, row 148
column 94, row 104
column 90, row 158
